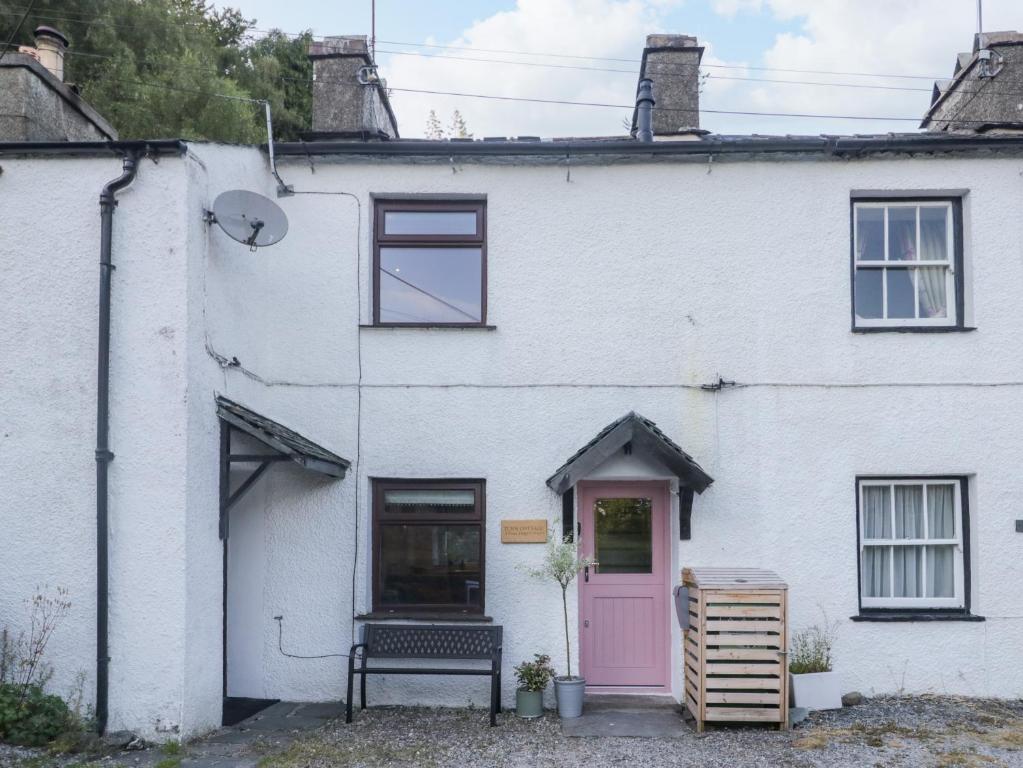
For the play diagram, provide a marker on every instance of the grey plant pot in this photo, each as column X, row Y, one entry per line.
column 569, row 692
column 528, row 704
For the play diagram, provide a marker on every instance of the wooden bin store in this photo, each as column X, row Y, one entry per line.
column 736, row 666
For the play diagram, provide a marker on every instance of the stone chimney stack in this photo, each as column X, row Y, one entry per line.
column 349, row 98
column 35, row 102
column 672, row 62
column 984, row 94
column 51, row 46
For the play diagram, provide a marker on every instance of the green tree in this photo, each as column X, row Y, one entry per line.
column 176, row 68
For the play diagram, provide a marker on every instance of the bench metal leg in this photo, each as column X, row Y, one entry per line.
column 348, row 698
column 362, row 692
column 499, row 707
column 495, row 702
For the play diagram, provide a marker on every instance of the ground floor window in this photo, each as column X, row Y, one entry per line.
column 912, row 534
column 428, row 542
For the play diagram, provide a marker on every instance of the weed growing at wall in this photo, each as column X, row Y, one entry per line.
column 30, row 716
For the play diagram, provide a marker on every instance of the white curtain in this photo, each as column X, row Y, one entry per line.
column 933, row 247
column 940, row 571
column 941, row 525
column 877, row 519
column 908, row 563
column 877, row 564
column 877, row 524
column 909, row 512
column 941, row 512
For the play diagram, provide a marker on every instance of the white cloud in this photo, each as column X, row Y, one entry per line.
column 917, row 37
column 729, row 8
column 603, row 28
column 909, row 37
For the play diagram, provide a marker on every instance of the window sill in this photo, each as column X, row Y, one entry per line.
column 429, row 327
column 453, row 618
column 920, row 615
column 913, row 329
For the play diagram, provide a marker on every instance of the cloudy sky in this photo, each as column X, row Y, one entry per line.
column 871, row 58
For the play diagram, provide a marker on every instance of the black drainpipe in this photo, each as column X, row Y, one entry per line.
column 644, row 103
column 107, row 203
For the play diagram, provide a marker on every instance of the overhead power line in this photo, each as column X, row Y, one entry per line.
column 637, row 61
column 663, row 109
column 660, row 73
column 772, row 81
column 607, row 105
column 79, row 17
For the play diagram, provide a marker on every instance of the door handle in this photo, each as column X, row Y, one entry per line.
column 586, row 573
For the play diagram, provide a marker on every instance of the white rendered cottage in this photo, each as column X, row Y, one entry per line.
column 795, row 353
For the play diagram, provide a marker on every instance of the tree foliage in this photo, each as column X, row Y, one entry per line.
column 561, row 564
column 176, row 68
column 456, row 129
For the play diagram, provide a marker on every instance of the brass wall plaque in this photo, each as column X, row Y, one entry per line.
column 523, row 531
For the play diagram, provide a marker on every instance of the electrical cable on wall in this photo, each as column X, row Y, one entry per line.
column 280, row 645
column 358, row 383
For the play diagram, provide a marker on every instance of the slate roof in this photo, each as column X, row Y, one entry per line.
column 644, row 435
column 285, row 441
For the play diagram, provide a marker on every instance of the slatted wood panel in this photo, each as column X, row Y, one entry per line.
column 734, row 650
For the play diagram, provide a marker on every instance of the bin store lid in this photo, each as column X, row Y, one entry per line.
column 732, row 578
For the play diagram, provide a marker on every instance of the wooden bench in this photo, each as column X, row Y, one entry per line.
column 417, row 642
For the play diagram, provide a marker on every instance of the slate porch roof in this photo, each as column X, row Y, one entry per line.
column 281, row 439
column 645, row 436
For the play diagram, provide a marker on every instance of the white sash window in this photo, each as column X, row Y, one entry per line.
column 905, row 271
column 911, row 543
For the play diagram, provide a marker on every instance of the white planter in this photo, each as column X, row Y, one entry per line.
column 816, row 690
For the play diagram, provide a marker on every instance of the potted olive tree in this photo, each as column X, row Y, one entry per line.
column 815, row 685
column 534, row 677
column 561, row 565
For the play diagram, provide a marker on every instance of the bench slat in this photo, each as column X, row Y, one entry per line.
column 425, row 641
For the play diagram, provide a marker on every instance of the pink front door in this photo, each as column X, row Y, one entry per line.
column 624, row 599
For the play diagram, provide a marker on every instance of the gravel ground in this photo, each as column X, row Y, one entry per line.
column 903, row 731
column 942, row 732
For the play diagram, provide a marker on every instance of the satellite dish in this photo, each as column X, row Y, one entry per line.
column 251, row 219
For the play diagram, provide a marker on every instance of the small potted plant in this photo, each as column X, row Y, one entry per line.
column 534, row 677
column 561, row 565
column 814, row 684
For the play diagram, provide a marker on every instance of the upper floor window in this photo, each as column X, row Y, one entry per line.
column 912, row 543
column 907, row 259
column 430, row 263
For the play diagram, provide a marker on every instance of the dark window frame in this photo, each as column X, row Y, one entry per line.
column 477, row 240
column 922, row 613
column 956, row 202
column 380, row 518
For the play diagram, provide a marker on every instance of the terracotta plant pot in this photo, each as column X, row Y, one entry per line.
column 569, row 692
column 528, row 704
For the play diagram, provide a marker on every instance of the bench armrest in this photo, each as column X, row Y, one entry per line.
column 355, row 647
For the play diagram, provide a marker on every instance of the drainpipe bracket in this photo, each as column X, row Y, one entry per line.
column 106, row 456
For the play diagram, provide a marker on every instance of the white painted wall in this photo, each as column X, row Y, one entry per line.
column 623, row 289
column 164, row 589
column 627, row 277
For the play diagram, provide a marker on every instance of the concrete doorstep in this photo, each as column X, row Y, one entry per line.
column 620, row 715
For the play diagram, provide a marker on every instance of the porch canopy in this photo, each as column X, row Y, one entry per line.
column 636, row 434
column 284, row 444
